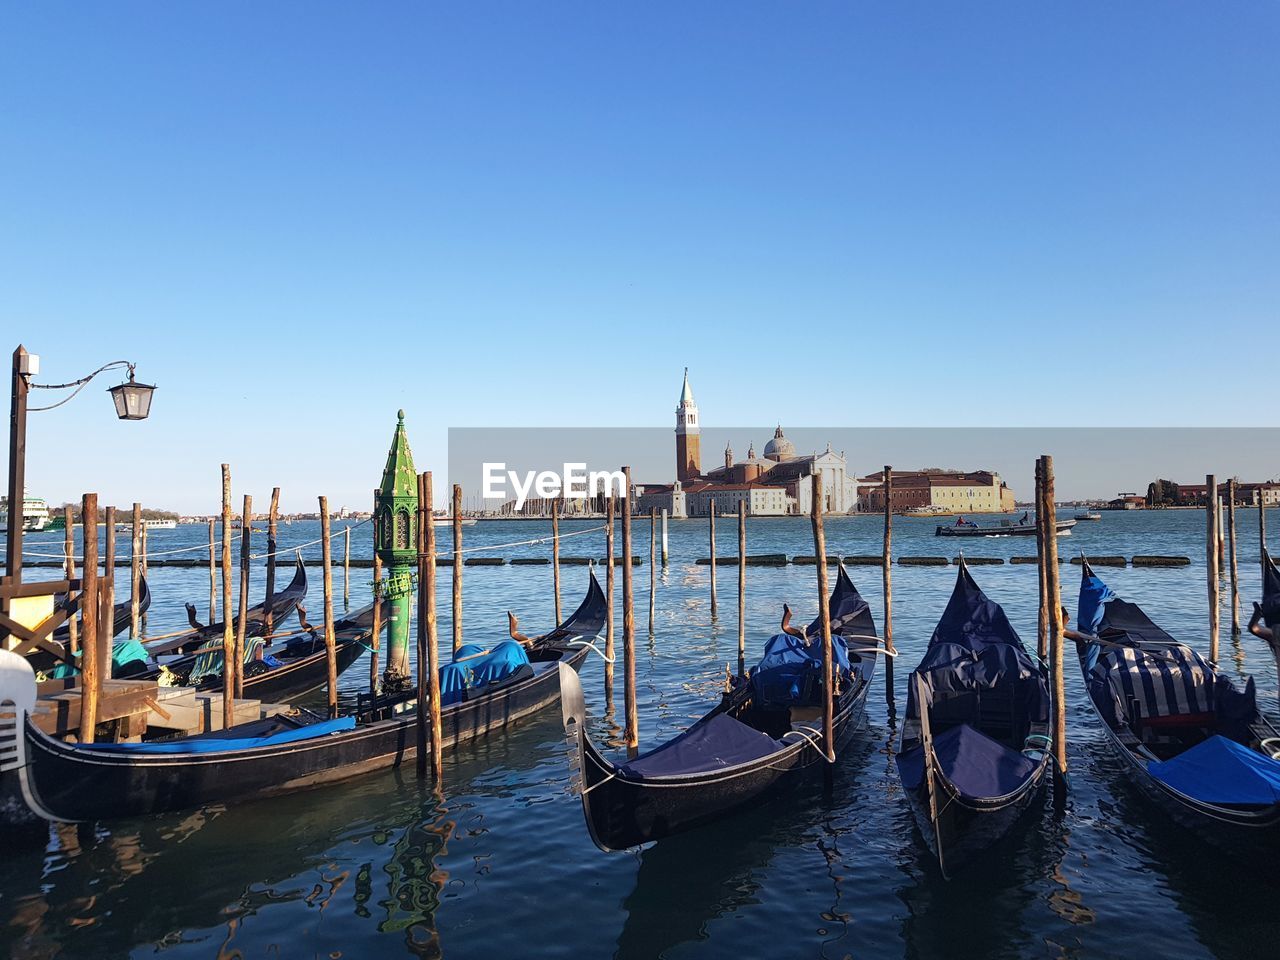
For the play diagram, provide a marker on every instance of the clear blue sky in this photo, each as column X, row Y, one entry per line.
column 298, row 217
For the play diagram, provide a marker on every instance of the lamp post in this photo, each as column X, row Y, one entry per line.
column 132, row 402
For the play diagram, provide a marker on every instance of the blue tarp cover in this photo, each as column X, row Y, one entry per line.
column 472, row 668
column 1222, row 771
column 122, row 652
column 978, row 766
column 718, row 741
column 246, row 743
column 779, row 677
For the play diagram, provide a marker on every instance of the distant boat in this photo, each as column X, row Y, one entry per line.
column 1088, row 516
column 447, row 521
column 1006, row 529
column 932, row 510
column 149, row 524
column 35, row 514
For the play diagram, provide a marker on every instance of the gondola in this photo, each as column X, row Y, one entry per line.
column 284, row 603
column 764, row 732
column 91, row 782
column 282, row 671
column 1268, row 612
column 975, row 744
column 1187, row 736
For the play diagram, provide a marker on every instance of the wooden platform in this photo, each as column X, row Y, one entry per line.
column 128, row 709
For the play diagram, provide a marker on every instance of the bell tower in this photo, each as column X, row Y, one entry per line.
column 688, row 439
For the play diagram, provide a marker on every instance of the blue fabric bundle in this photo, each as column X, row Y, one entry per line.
column 472, row 668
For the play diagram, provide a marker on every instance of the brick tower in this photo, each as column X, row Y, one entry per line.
column 688, row 441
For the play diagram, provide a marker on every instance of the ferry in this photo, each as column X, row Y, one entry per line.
column 35, row 514
column 149, row 524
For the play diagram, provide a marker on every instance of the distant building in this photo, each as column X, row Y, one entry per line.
column 1127, row 501
column 950, row 491
column 780, row 482
column 1166, row 493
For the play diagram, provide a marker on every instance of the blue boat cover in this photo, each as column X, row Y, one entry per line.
column 205, row 745
column 711, row 743
column 979, row 767
column 974, row 647
column 790, row 671
column 122, row 652
column 1223, row 772
column 472, row 668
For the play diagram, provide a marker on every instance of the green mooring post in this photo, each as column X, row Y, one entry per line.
column 395, row 537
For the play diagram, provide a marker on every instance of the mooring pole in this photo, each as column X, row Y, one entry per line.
column 242, row 616
column 90, row 675
column 1042, row 566
column 330, row 646
column 375, row 640
column 107, row 590
column 665, row 554
column 69, row 549
column 742, row 588
column 273, row 529
column 712, row 536
column 457, row 566
column 1234, row 563
column 555, row 555
column 1262, row 528
column 631, row 732
column 213, row 576
column 824, row 618
column 428, row 655
column 1211, row 562
column 1054, row 596
column 886, row 567
column 608, row 601
column 653, row 566
column 346, row 567
column 135, row 572
column 229, row 670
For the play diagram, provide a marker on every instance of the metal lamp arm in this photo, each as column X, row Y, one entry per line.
column 78, row 384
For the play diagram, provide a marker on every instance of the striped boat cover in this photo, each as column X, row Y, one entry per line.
column 1159, row 687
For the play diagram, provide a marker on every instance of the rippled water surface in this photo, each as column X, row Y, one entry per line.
column 501, row 864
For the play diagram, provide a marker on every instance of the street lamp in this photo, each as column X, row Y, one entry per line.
column 132, row 401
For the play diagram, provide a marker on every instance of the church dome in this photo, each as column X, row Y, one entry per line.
column 779, row 448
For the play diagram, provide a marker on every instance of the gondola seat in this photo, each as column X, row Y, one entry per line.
column 977, row 765
column 710, row 744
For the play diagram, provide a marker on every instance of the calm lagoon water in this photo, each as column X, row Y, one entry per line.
column 502, row 866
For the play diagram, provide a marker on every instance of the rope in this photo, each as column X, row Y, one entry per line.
column 523, row 543
column 588, row 643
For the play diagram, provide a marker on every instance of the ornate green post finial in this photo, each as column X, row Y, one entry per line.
column 395, row 539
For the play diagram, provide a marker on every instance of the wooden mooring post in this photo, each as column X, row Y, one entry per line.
column 555, row 555
column 631, row 732
column 1211, row 563
column 712, row 536
column 457, row 566
column 886, row 567
column 273, row 530
column 346, row 567
column 375, row 645
column 653, row 567
column 242, row 615
column 107, row 591
column 213, row 576
column 330, row 647
column 135, row 572
column 824, row 618
column 1053, row 598
column 69, row 550
column 1262, row 530
column 1232, row 557
column 90, row 665
column 428, row 655
column 665, row 553
column 608, row 596
column 742, row 588
column 229, row 669
column 1042, row 561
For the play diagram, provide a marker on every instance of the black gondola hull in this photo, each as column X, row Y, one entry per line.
column 966, row 828
column 79, row 785
column 622, row 813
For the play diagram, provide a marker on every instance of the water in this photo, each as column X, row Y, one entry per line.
column 502, row 866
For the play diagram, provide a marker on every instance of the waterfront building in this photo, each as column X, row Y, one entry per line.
column 938, row 491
